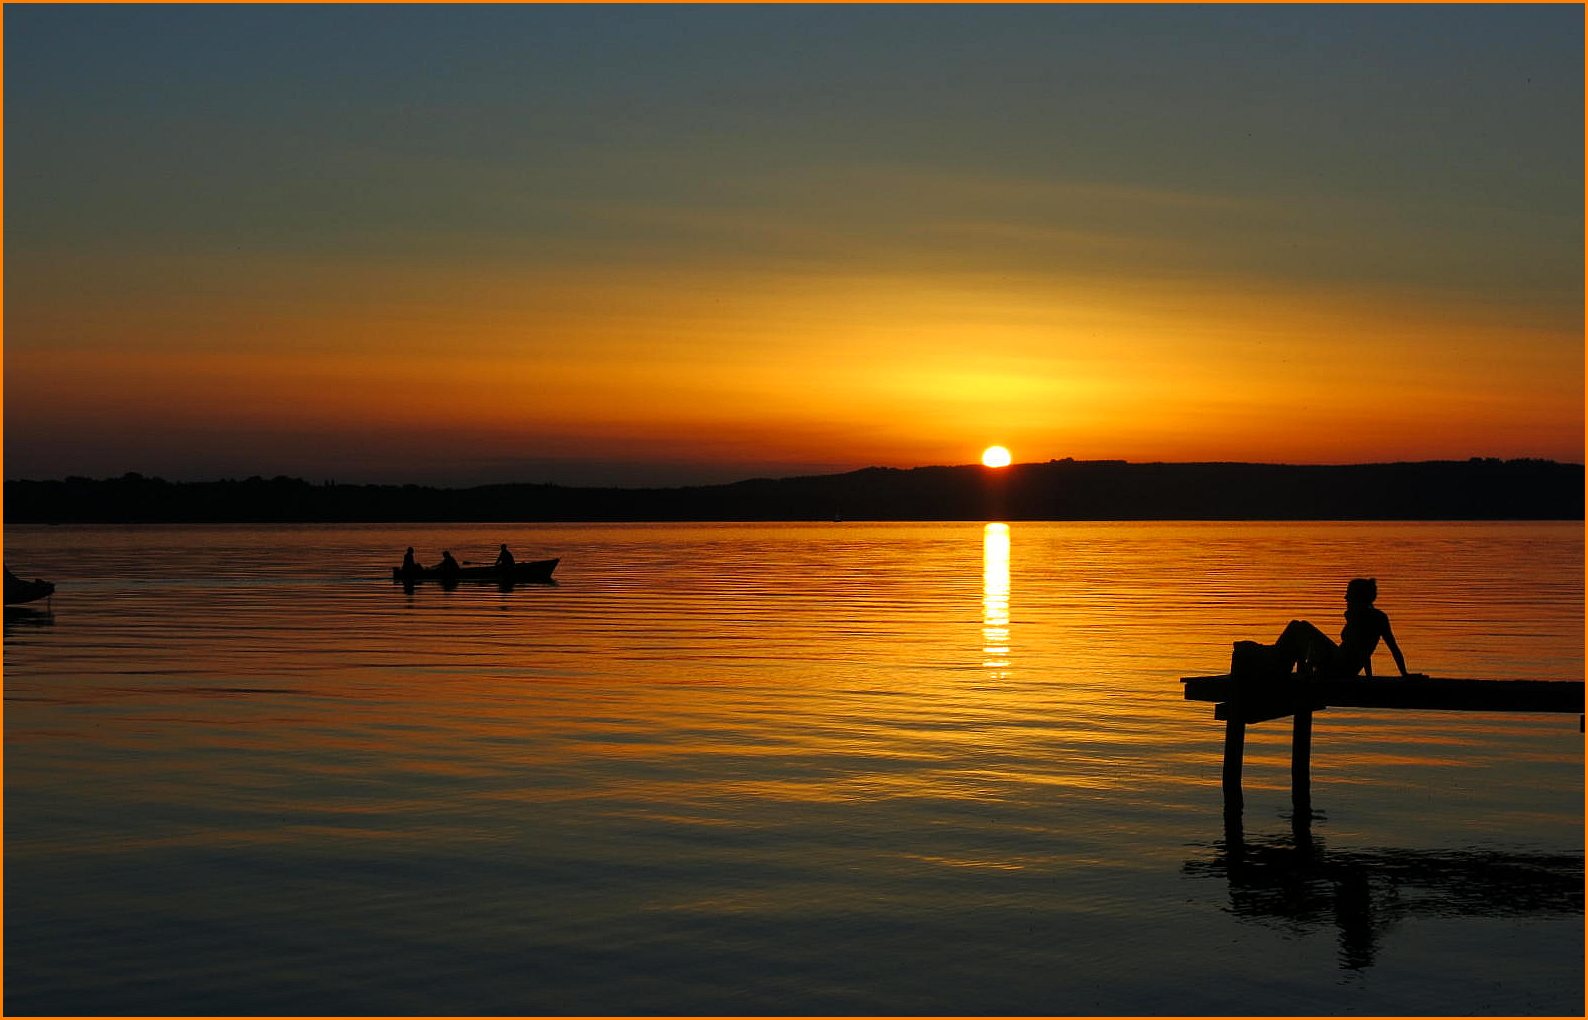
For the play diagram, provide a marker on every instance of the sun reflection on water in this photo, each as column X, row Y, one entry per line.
column 995, row 599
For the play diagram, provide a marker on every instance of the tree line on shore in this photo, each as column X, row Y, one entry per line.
column 1476, row 489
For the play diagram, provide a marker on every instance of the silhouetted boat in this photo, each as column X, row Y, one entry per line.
column 18, row 590
column 531, row 571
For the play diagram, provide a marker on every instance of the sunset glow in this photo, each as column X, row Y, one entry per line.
column 684, row 261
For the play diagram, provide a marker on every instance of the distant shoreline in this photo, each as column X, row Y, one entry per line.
column 1060, row 490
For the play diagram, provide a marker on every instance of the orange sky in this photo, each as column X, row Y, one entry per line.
column 683, row 306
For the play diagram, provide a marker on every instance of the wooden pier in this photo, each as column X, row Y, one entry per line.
column 1242, row 701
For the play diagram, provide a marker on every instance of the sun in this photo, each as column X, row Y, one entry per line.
column 995, row 457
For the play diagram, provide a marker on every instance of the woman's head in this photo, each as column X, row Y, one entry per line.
column 1361, row 589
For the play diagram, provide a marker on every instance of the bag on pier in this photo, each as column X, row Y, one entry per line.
column 1251, row 660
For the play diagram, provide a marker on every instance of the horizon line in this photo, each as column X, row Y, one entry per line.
column 330, row 482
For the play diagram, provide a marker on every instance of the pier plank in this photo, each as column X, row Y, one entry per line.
column 1253, row 699
column 1430, row 693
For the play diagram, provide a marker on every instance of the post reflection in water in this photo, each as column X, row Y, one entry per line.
column 1298, row 882
column 995, row 599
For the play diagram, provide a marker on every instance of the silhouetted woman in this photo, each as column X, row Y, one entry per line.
column 410, row 568
column 1313, row 653
column 504, row 559
column 448, row 567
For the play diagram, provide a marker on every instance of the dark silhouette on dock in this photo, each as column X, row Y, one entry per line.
column 1261, row 686
column 1060, row 490
column 1309, row 651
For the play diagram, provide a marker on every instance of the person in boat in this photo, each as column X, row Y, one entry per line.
column 448, row 567
column 409, row 566
column 504, row 559
column 1312, row 652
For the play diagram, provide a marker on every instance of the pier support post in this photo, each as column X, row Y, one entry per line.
column 1301, row 759
column 1234, row 753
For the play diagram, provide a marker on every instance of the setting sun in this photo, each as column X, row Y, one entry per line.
column 995, row 457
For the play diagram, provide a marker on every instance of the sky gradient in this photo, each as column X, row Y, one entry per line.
column 667, row 245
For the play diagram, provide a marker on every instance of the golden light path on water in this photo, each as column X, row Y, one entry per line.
column 995, row 598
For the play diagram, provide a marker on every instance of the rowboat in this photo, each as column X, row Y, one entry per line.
column 18, row 590
column 532, row 571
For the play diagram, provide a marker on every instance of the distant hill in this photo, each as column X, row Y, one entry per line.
column 1477, row 489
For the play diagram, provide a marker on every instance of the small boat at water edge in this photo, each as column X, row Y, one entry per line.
column 532, row 571
column 18, row 590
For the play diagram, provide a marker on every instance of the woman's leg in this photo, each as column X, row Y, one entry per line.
column 1304, row 645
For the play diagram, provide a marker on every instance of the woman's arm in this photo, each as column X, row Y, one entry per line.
column 1395, row 649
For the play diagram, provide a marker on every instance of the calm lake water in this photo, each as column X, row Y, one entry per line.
column 832, row 768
